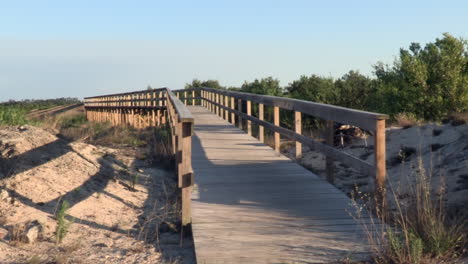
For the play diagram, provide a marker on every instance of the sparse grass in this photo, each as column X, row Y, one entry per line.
column 420, row 228
column 63, row 224
column 16, row 233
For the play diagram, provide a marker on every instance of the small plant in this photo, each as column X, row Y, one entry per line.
column 135, row 177
column 63, row 224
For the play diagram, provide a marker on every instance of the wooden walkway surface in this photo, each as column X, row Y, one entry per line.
column 250, row 205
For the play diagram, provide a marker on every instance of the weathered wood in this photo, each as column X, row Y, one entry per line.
column 239, row 107
column 233, row 115
column 249, row 123
column 185, row 172
column 193, row 96
column 298, row 128
column 261, row 129
column 276, row 118
column 226, row 112
column 380, row 161
column 248, row 211
column 329, row 162
column 327, row 150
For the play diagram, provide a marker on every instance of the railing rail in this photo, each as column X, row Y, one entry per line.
column 153, row 108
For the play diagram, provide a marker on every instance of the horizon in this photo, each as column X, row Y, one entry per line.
column 87, row 48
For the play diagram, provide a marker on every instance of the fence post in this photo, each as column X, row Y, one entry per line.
column 298, row 127
column 261, row 129
column 249, row 123
column 329, row 164
column 185, row 172
column 239, row 108
column 193, row 97
column 277, row 123
column 380, row 167
column 233, row 115
column 226, row 104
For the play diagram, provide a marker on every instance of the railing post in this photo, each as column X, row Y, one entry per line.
column 193, row 97
column 185, row 173
column 380, row 166
column 217, row 102
column 249, row 113
column 226, row 104
column 329, row 163
column 233, row 107
column 277, row 123
column 298, row 127
column 261, row 129
column 239, row 108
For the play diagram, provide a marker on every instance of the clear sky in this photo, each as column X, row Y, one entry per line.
column 82, row 48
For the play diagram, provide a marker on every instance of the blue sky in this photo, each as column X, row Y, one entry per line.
column 83, row 48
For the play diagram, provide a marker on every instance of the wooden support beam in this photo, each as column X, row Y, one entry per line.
column 249, row 123
column 239, row 108
column 193, row 96
column 226, row 112
column 329, row 162
column 233, row 115
column 298, row 128
column 380, row 167
column 277, row 123
column 185, row 173
column 261, row 129
column 217, row 102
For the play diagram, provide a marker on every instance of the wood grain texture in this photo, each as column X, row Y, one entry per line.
column 250, row 205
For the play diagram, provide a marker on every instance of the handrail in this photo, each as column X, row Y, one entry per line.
column 128, row 93
column 153, row 108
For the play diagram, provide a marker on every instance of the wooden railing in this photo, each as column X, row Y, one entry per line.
column 230, row 105
column 163, row 107
column 153, row 108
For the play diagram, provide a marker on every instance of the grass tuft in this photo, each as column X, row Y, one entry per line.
column 63, row 225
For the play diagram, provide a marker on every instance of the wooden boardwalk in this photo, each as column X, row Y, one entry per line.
column 251, row 205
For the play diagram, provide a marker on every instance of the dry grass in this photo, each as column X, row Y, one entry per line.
column 419, row 229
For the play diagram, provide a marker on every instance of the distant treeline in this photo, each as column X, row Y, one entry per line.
column 424, row 83
column 14, row 112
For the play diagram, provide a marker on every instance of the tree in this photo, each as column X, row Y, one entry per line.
column 314, row 88
column 208, row 84
column 353, row 90
column 266, row 86
column 429, row 82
